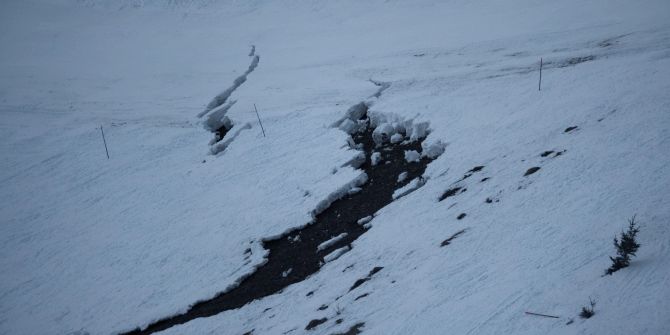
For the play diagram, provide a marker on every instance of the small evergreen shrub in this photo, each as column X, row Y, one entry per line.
column 588, row 311
column 626, row 246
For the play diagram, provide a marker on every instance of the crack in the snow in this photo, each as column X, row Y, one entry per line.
column 217, row 121
column 223, row 96
column 299, row 253
column 383, row 86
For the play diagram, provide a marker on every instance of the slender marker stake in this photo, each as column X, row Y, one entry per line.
column 545, row 315
column 104, row 141
column 539, row 85
column 259, row 120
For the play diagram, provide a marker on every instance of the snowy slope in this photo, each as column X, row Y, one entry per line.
column 103, row 246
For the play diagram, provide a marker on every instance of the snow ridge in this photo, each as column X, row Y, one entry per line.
column 218, row 118
column 383, row 86
column 217, row 121
column 222, row 145
column 223, row 96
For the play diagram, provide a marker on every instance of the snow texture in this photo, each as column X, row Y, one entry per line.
column 92, row 245
column 409, row 188
column 337, row 253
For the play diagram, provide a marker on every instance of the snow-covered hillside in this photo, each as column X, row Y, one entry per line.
column 91, row 245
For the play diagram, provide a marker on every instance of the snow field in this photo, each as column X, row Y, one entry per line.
column 103, row 246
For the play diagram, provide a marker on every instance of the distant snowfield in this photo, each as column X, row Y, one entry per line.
column 90, row 245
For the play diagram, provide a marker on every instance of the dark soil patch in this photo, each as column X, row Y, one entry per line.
column 368, row 277
column 471, row 172
column 476, row 169
column 354, row 330
column 576, row 60
column 461, row 216
column 301, row 255
column 315, row 323
column 452, row 192
column 569, row 129
column 531, row 171
column 490, row 200
column 552, row 153
column 362, row 296
column 484, row 179
column 448, row 241
column 221, row 133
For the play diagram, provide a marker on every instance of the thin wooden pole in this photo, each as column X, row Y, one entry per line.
column 545, row 315
column 539, row 85
column 104, row 141
column 259, row 120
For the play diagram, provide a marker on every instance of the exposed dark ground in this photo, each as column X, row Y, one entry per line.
column 297, row 250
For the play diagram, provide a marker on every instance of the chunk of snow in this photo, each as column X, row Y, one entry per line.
column 354, row 113
column 402, row 177
column 336, row 254
column 383, row 133
column 434, row 149
column 357, row 111
column 356, row 161
column 218, row 118
column 412, row 156
column 375, row 158
column 348, row 126
column 397, row 138
column 412, row 186
column 419, row 130
column 342, row 191
column 364, row 220
column 331, row 242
